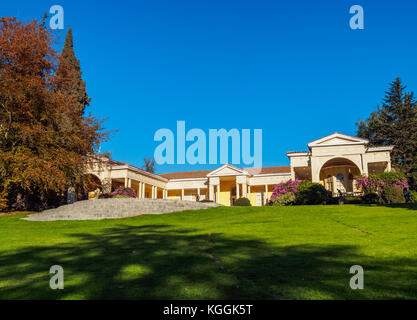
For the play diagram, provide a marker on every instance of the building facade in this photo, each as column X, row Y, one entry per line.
column 334, row 161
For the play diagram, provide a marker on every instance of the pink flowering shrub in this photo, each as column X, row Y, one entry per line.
column 386, row 187
column 375, row 183
column 123, row 191
column 284, row 188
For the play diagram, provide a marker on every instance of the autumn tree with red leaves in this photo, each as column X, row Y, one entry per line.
column 45, row 140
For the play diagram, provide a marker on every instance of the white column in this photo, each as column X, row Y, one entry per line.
column 218, row 193
column 139, row 190
column 315, row 171
column 249, row 192
column 182, row 194
column 129, row 182
column 143, row 190
column 266, row 193
column 292, row 173
column 126, row 182
column 153, row 192
column 211, row 192
column 237, row 191
column 244, row 189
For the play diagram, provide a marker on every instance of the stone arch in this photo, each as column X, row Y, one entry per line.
column 339, row 173
column 92, row 183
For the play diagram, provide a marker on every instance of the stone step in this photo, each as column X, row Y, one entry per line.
column 116, row 208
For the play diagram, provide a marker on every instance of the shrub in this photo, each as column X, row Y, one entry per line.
column 123, row 191
column 413, row 196
column 314, row 193
column 284, row 200
column 304, row 185
column 282, row 188
column 375, row 183
column 242, row 202
column 371, row 197
column 391, row 176
column 393, row 195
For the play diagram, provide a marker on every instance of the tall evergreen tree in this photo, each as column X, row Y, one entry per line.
column 69, row 76
column 395, row 123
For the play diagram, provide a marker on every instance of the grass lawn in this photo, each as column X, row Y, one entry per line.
column 301, row 252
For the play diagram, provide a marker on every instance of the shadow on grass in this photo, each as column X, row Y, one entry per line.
column 160, row 262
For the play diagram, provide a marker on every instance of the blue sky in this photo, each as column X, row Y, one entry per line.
column 294, row 69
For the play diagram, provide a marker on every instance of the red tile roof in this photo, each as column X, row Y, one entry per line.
column 203, row 173
column 186, row 174
column 269, row 170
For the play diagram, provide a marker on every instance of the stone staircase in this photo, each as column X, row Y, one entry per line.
column 116, row 208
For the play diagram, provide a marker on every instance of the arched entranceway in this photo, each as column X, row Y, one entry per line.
column 92, row 183
column 339, row 174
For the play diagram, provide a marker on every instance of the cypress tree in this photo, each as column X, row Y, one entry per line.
column 69, row 76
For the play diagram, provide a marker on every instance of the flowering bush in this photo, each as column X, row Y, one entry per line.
column 282, row 188
column 379, row 188
column 375, row 183
column 123, row 191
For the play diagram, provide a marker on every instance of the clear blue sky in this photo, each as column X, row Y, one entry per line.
column 292, row 68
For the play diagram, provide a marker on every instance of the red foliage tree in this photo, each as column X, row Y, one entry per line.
column 44, row 140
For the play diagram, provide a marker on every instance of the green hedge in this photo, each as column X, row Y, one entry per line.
column 284, row 200
column 309, row 193
column 392, row 195
column 242, row 202
column 413, row 197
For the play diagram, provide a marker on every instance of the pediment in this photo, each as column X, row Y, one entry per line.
column 227, row 170
column 336, row 139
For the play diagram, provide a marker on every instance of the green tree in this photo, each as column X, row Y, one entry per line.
column 395, row 123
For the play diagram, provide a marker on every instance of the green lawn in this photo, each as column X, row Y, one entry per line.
column 302, row 252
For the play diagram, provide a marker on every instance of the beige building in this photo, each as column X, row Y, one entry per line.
column 333, row 161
